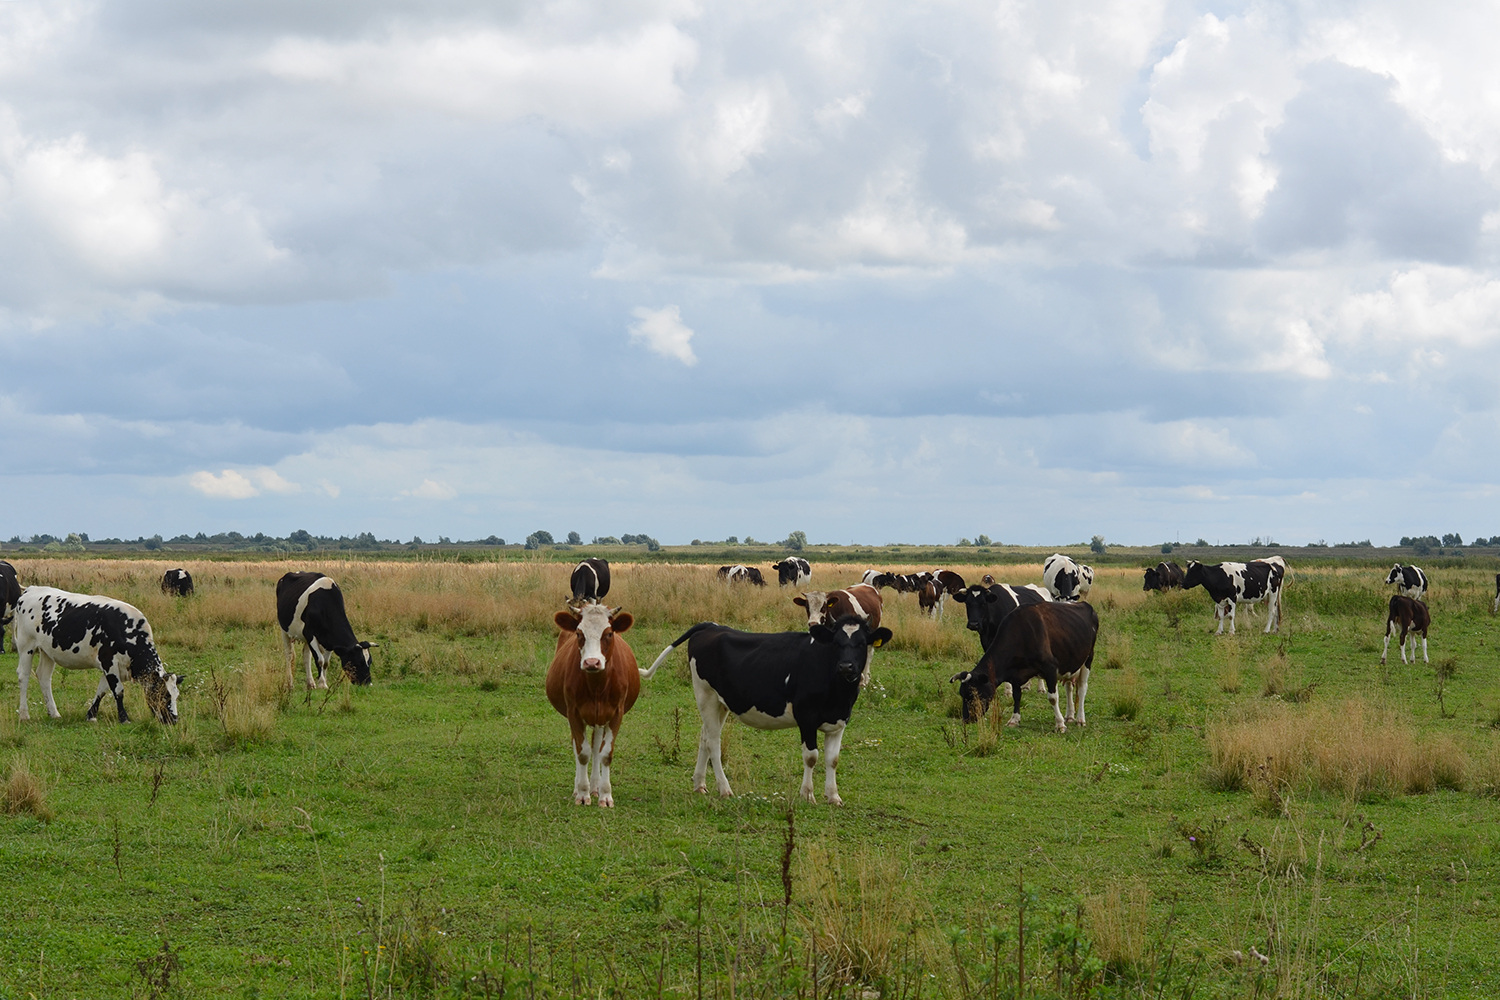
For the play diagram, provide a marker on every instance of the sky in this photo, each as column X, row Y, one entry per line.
column 879, row 272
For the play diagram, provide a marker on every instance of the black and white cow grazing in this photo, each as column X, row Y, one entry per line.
column 1066, row 579
column 742, row 574
column 1163, row 576
column 989, row 606
column 80, row 632
column 310, row 608
column 10, row 593
column 1412, row 617
column 1053, row 641
column 1409, row 580
column 177, row 582
column 590, row 580
column 807, row 680
column 793, row 570
column 878, row 579
column 1231, row 584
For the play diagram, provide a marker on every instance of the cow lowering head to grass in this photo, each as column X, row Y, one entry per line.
column 590, row 580
column 592, row 682
column 1163, row 576
column 177, row 583
column 1231, row 584
column 1051, row 640
column 741, row 574
column 1412, row 618
column 1065, row 579
column 1409, row 580
column 310, row 609
column 10, row 593
column 83, row 632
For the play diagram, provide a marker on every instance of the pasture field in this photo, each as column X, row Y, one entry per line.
column 1231, row 797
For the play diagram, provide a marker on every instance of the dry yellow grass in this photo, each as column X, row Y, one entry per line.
column 860, row 912
column 24, row 792
column 1117, row 921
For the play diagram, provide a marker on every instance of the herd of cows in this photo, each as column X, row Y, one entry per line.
column 804, row 680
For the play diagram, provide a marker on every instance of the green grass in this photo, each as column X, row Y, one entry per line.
column 430, row 815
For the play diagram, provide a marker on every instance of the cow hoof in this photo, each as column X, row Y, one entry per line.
column 1062, row 730
column 834, row 800
column 701, row 789
column 580, row 798
column 606, row 802
column 1013, row 723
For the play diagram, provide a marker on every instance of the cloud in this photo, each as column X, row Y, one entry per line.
column 431, row 490
column 232, row 485
column 663, row 332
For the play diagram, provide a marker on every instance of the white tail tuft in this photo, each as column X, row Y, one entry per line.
column 650, row 672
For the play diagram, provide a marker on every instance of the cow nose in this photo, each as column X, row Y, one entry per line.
column 593, row 663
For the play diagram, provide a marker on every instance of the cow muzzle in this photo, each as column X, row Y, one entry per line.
column 593, row 665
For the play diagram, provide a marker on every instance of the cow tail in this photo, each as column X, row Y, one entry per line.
column 650, row 671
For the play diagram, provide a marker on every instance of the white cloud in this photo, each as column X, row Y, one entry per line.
column 431, row 489
column 663, row 332
column 233, row 485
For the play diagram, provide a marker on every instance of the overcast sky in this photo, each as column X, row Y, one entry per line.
column 878, row 272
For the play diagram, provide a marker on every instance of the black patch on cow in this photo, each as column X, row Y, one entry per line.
column 10, row 593
column 590, row 580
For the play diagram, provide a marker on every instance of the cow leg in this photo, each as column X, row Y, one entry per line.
column 1081, row 691
column 1015, row 694
column 1059, row 721
column 1414, row 649
column 117, row 687
column 1403, row 646
column 1390, row 626
column 809, row 762
column 1219, row 615
column 714, row 714
column 1233, row 607
column 23, row 679
column 1273, row 615
column 831, row 743
column 583, row 753
column 604, row 752
column 99, row 694
column 307, row 664
column 291, row 659
column 47, row 665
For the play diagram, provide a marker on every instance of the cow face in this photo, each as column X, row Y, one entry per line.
column 974, row 599
column 162, row 690
column 1394, row 576
column 1153, row 580
column 357, row 661
column 853, row 638
column 815, row 603
column 975, row 692
column 597, row 627
column 1194, row 577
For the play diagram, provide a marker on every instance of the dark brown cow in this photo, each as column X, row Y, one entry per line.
column 10, row 593
column 593, row 682
column 1163, row 576
column 1053, row 641
column 1413, row 617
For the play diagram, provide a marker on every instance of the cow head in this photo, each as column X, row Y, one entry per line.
column 597, row 627
column 975, row 692
column 162, row 689
column 852, row 638
column 356, row 661
column 974, row 599
column 815, row 603
column 1394, row 576
column 1194, row 577
column 1085, row 580
column 1153, row 580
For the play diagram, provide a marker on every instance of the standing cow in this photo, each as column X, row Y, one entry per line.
column 1066, row 579
column 1163, row 576
column 1412, row 618
column 794, row 571
column 741, row 574
column 592, row 682
column 590, row 580
column 81, row 632
column 1053, row 641
column 1231, row 584
column 989, row 606
column 1410, row 581
column 177, row 583
column 860, row 600
column 310, row 609
column 10, row 593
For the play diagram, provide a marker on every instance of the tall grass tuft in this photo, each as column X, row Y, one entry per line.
column 1117, row 921
column 1121, row 652
column 247, row 699
column 25, row 793
column 1228, row 655
column 1125, row 698
column 858, row 912
column 1273, row 675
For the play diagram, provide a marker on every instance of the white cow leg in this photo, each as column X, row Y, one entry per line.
column 47, row 665
column 714, row 714
column 602, row 757
column 307, row 665
column 23, row 679
column 291, row 659
column 1219, row 614
column 1061, row 723
column 1081, row 691
column 1403, row 649
column 1424, row 649
column 1233, row 608
column 1385, row 649
column 809, row 765
column 831, row 743
column 583, row 753
column 323, row 656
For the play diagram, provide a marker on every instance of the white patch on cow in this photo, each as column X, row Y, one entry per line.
column 756, row 719
column 595, row 619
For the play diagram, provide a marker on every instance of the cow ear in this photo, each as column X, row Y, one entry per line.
column 880, row 637
column 991, row 597
column 962, row 597
column 621, row 622
column 369, row 645
column 801, row 602
column 821, row 633
column 567, row 621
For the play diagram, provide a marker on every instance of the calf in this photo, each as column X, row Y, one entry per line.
column 1066, row 579
column 1231, row 584
column 793, row 570
column 1053, row 641
column 989, row 606
column 177, row 582
column 1163, row 576
column 929, row 596
column 590, row 580
column 10, row 593
column 1413, row 618
column 310, row 608
column 741, row 574
column 592, row 682
column 860, row 600
column 807, row 680
column 79, row 632
column 1409, row 580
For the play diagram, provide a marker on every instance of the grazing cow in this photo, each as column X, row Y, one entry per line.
column 590, row 580
column 989, row 606
column 1231, row 584
column 1163, row 576
column 177, row 582
column 310, row 608
column 79, row 632
column 1413, row 617
column 10, row 593
column 807, row 680
column 742, row 574
column 1053, row 641
column 860, row 600
column 1066, row 579
column 1409, row 580
column 793, row 570
column 593, row 682
column 1494, row 608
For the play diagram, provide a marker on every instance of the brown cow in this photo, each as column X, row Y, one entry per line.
column 860, row 600
column 593, row 682
column 1413, row 617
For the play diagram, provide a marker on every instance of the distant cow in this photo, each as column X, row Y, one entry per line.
column 310, row 608
column 1163, row 576
column 807, row 680
column 741, row 574
column 590, row 580
column 1494, row 608
column 1066, row 579
column 793, row 570
column 1053, row 641
column 1412, row 617
column 80, row 632
column 592, row 682
column 10, row 593
column 177, row 582
column 1231, row 584
column 989, row 606
column 859, row 600
column 1409, row 580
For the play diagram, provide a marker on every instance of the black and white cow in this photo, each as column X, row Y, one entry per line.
column 1066, row 579
column 1231, row 584
column 310, row 609
column 82, row 632
column 1495, row 608
column 1053, row 641
column 1409, row 580
column 590, row 580
column 742, row 574
column 989, row 606
column 793, row 570
column 177, row 582
column 10, row 593
column 1163, row 576
column 804, row 680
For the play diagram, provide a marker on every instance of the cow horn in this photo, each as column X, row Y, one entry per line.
column 961, row 676
column 615, row 611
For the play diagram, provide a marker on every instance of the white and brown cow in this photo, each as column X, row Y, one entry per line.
column 310, row 609
column 1066, row 579
column 85, row 632
column 592, row 682
column 1410, row 581
column 859, row 600
column 1231, row 584
column 1412, row 617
